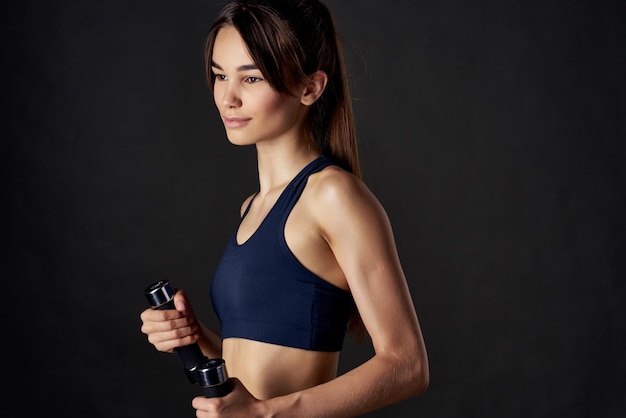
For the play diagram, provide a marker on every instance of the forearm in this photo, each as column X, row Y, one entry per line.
column 381, row 381
column 210, row 342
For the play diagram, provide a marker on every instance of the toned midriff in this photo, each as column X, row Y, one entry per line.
column 267, row 370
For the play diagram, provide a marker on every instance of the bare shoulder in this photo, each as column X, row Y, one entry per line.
column 336, row 184
column 336, row 193
column 354, row 224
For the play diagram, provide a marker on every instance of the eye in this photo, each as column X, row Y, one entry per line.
column 220, row 77
column 252, row 80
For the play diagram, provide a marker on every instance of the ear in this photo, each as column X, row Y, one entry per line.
column 315, row 87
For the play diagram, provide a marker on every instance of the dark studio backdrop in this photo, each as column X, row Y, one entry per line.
column 493, row 132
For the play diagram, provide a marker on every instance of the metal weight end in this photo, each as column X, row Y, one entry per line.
column 213, row 378
column 212, row 372
column 159, row 293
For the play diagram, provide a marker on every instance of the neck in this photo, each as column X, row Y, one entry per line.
column 278, row 166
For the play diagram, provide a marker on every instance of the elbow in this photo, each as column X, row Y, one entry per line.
column 411, row 373
column 422, row 380
column 419, row 378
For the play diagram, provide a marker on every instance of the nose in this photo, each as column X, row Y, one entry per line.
column 228, row 95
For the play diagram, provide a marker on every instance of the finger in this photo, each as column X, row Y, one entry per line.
column 153, row 315
column 182, row 303
column 208, row 406
column 183, row 325
column 169, row 344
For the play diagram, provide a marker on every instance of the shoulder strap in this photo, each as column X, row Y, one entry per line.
column 245, row 212
column 298, row 183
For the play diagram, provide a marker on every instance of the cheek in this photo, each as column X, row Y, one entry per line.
column 285, row 107
column 216, row 94
column 268, row 103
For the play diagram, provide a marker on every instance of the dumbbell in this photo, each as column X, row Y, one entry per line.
column 211, row 374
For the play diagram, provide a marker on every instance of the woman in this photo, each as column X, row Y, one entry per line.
column 314, row 252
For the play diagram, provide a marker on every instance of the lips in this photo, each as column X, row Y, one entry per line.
column 235, row 122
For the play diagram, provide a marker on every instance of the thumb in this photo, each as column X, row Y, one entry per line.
column 182, row 304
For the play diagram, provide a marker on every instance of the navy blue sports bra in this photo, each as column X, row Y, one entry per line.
column 261, row 292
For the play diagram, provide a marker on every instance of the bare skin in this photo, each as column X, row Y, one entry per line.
column 340, row 232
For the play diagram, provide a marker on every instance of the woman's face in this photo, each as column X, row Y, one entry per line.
column 252, row 111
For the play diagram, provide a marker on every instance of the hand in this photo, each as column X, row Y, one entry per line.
column 237, row 404
column 171, row 328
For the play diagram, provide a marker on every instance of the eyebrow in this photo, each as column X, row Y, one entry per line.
column 246, row 67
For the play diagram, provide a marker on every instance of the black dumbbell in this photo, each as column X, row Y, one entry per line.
column 211, row 374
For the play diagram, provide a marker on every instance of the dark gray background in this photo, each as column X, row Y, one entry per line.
column 492, row 131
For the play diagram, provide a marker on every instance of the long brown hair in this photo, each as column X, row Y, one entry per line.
column 289, row 40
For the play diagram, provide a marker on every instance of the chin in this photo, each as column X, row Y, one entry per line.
column 238, row 139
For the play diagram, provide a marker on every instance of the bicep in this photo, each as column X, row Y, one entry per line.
column 360, row 235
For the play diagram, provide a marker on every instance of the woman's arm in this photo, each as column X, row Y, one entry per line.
column 359, row 233
column 210, row 342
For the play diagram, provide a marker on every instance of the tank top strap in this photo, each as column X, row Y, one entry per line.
column 245, row 212
column 298, row 183
column 295, row 188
